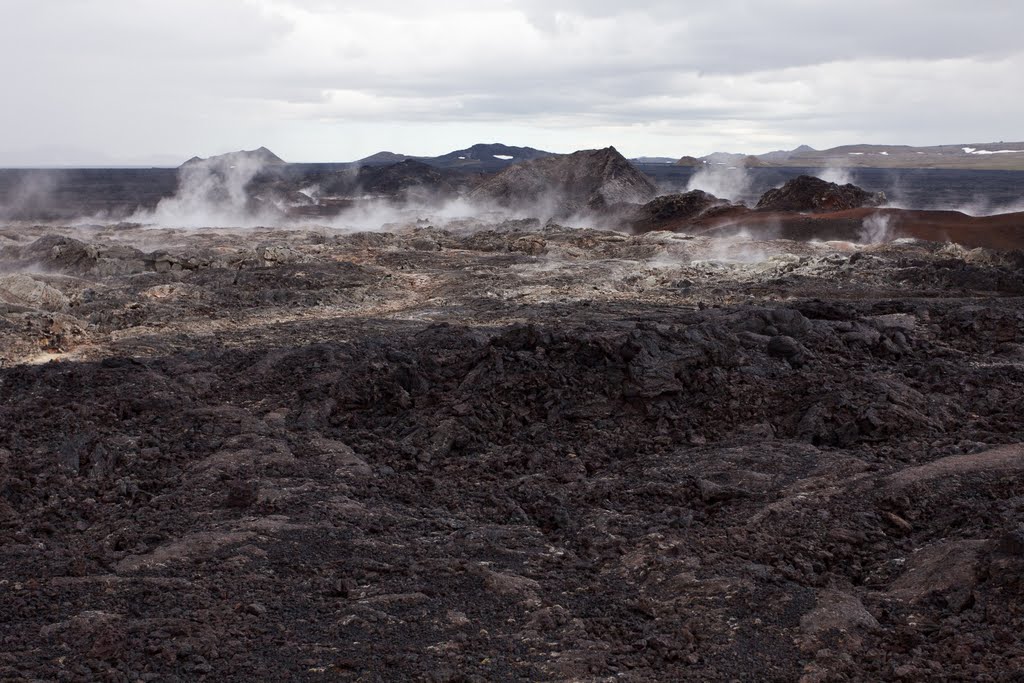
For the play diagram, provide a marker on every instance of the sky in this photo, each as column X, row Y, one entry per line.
column 156, row 82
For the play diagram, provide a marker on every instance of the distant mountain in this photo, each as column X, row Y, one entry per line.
column 485, row 158
column 995, row 156
column 409, row 179
column 653, row 160
column 784, row 154
column 256, row 157
column 384, row 159
column 488, row 156
column 987, row 155
column 692, row 162
column 727, row 160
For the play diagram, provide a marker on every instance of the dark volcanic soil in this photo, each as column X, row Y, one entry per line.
column 510, row 453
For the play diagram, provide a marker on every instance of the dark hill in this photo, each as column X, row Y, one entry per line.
column 383, row 159
column 493, row 157
column 807, row 193
column 480, row 158
column 673, row 211
column 410, row 179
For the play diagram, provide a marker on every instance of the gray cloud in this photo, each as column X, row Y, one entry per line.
column 311, row 78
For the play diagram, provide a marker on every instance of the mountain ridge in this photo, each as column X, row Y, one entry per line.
column 968, row 156
column 486, row 157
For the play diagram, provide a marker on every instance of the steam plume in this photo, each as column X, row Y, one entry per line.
column 837, row 175
column 875, row 229
column 732, row 183
column 212, row 193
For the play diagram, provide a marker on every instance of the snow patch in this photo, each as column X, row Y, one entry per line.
column 975, row 150
column 503, row 157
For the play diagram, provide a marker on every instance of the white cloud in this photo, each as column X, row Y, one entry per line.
column 319, row 80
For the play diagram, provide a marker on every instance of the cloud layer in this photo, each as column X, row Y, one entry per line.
column 132, row 80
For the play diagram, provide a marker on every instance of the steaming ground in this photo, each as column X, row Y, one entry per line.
column 504, row 450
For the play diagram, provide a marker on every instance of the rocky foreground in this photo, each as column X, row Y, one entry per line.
column 507, row 452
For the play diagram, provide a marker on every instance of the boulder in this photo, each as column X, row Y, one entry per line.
column 25, row 290
column 840, row 612
column 947, row 570
column 59, row 253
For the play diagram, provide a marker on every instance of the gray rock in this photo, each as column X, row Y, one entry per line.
column 838, row 611
column 273, row 254
column 25, row 290
column 947, row 569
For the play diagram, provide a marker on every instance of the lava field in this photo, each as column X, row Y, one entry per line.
column 507, row 452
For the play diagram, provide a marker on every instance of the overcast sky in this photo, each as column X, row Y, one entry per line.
column 158, row 81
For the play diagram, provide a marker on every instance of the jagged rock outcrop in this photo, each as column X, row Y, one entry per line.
column 585, row 180
column 807, row 193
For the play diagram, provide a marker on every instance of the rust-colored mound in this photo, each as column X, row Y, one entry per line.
column 1003, row 231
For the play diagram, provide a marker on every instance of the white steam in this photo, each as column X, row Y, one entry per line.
column 732, row 183
column 875, row 229
column 212, row 193
column 980, row 206
column 378, row 215
column 311, row 191
column 741, row 248
column 32, row 192
column 218, row 193
column 837, row 175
